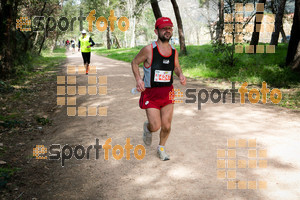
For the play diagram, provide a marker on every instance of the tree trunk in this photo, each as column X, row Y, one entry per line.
column 36, row 38
column 283, row 35
column 108, row 38
column 211, row 32
column 198, row 37
column 117, row 41
column 42, row 44
column 278, row 23
column 273, row 6
column 293, row 54
column 32, row 45
column 180, row 28
column 220, row 23
column 156, row 9
column 54, row 41
column 132, row 43
column 255, row 35
column 108, row 35
column 125, row 38
column 44, row 36
column 6, row 39
column 14, row 18
column 210, row 26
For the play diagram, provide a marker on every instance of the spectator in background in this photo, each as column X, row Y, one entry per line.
column 73, row 45
column 67, row 44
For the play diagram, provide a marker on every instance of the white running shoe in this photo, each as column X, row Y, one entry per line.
column 161, row 152
column 147, row 135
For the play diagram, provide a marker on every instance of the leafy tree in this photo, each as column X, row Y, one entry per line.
column 180, row 27
column 278, row 23
column 156, row 9
column 255, row 34
column 293, row 54
column 220, row 23
column 16, row 45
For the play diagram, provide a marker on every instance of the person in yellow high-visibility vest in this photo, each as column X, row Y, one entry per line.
column 85, row 43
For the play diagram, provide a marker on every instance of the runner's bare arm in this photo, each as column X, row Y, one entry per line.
column 142, row 56
column 178, row 70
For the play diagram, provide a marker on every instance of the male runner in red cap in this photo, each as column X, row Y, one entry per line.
column 160, row 60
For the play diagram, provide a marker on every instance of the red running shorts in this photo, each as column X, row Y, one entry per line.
column 156, row 97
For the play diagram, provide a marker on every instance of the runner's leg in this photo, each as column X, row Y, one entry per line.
column 166, row 120
column 88, row 62
column 86, row 67
column 154, row 119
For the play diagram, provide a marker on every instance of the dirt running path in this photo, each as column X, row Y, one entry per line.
column 196, row 135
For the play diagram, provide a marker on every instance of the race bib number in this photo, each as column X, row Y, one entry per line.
column 162, row 76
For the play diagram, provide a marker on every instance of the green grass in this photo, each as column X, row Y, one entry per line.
column 32, row 67
column 35, row 65
column 6, row 171
column 291, row 100
column 15, row 89
column 202, row 62
column 42, row 120
column 253, row 68
column 124, row 54
column 19, row 87
column 5, row 174
column 50, row 60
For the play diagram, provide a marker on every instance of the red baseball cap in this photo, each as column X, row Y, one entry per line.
column 163, row 22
